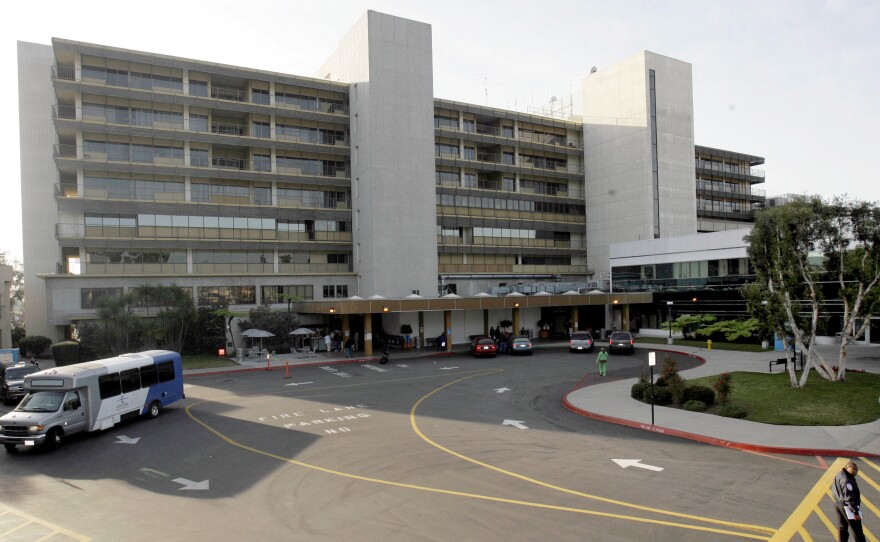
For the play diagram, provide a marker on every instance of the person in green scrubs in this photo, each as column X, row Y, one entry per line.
column 602, row 360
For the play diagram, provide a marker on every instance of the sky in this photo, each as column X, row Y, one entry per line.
column 797, row 82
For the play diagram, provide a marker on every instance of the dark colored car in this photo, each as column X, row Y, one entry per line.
column 12, row 381
column 484, row 346
column 580, row 341
column 621, row 341
column 521, row 345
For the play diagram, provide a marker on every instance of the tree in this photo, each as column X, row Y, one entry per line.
column 687, row 323
column 174, row 313
column 121, row 327
column 784, row 246
column 16, row 294
column 206, row 334
column 278, row 323
column 731, row 329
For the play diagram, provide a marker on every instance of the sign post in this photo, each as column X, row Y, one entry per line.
column 652, row 360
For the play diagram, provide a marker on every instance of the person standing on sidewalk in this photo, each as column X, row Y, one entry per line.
column 848, row 503
column 349, row 347
column 602, row 361
column 327, row 341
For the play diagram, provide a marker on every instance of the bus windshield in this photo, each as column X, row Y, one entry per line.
column 41, row 401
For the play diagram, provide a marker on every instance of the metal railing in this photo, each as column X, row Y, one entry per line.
column 532, row 137
column 512, row 268
column 229, row 94
column 729, row 188
column 728, row 168
column 512, row 242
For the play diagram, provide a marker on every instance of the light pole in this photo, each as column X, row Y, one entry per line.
column 669, row 320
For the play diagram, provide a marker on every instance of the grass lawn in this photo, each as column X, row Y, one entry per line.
column 769, row 398
column 205, row 361
column 702, row 344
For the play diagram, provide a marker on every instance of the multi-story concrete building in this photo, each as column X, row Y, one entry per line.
column 249, row 186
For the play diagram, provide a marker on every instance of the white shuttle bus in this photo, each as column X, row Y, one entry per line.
column 92, row 396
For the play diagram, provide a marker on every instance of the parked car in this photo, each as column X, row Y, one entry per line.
column 521, row 345
column 580, row 341
column 12, row 381
column 621, row 341
column 483, row 346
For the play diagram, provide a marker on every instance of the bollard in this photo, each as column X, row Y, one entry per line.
column 709, row 344
column 268, row 366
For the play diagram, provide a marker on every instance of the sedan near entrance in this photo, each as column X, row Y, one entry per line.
column 484, row 346
column 521, row 345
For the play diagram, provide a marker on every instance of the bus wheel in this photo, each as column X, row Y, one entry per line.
column 155, row 407
column 53, row 439
column 11, row 448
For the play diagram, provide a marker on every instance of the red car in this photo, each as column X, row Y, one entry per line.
column 484, row 346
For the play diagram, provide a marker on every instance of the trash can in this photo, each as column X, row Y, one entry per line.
column 838, row 337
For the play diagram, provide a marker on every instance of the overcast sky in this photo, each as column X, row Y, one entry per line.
column 794, row 82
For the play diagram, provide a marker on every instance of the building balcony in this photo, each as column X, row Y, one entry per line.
column 513, row 268
column 506, row 133
column 720, row 188
column 660, row 285
column 509, row 214
column 75, row 268
column 133, row 231
column 505, row 242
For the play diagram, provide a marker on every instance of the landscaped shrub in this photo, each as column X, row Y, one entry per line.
column 34, row 345
column 662, row 396
column 694, row 406
column 65, row 353
column 639, row 389
column 722, row 387
column 732, row 411
column 699, row 393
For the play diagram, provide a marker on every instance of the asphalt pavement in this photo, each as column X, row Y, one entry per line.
column 609, row 400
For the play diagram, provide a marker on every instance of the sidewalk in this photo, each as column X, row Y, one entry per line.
column 611, row 401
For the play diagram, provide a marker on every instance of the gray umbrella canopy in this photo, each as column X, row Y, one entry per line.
column 302, row 331
column 257, row 334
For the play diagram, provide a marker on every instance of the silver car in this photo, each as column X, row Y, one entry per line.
column 580, row 341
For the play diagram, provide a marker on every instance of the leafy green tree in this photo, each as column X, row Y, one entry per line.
column 689, row 323
column 783, row 247
column 206, row 334
column 731, row 329
column 120, row 325
column 278, row 323
column 170, row 312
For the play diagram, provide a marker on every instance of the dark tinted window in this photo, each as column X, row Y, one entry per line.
column 580, row 336
column 166, row 371
column 130, row 380
column 15, row 373
column 149, row 376
column 108, row 385
column 621, row 337
column 485, row 341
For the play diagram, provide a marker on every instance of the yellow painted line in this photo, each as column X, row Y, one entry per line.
column 54, row 529
column 804, row 534
column 832, row 529
column 871, row 482
column 867, row 461
column 325, row 470
column 809, row 503
column 414, row 424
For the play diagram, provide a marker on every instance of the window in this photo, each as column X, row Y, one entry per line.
column 261, row 129
column 89, row 297
column 259, row 96
column 280, row 294
column 130, row 379
column 149, row 376
column 469, row 126
column 166, row 371
column 109, row 386
column 198, row 88
column 198, row 123
column 336, row 291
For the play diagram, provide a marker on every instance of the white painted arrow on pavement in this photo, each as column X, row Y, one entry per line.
column 189, row 484
column 402, row 365
column 635, row 463
column 298, row 383
column 501, row 390
column 126, row 440
column 447, row 368
column 516, row 423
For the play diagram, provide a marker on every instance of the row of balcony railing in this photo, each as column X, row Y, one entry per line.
column 216, row 162
column 728, row 168
column 508, row 160
column 730, row 188
column 69, row 112
column 509, row 214
column 657, row 285
column 447, row 241
column 198, row 268
column 67, row 73
column 509, row 133
column 511, row 268
column 83, row 231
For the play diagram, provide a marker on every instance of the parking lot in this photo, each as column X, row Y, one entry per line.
column 451, row 448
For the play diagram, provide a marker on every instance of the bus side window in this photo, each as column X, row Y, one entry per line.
column 166, row 371
column 130, row 380
column 72, row 402
column 149, row 376
column 108, row 385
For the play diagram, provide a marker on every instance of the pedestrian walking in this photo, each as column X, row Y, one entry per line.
column 602, row 361
column 327, row 341
column 848, row 503
column 349, row 347
column 357, row 339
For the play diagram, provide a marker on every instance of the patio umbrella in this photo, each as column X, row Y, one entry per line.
column 302, row 332
column 257, row 333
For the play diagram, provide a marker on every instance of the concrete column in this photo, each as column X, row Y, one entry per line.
column 345, row 327
column 368, row 334
column 624, row 325
column 422, row 329
column 447, row 326
column 486, row 322
column 516, row 320
column 574, row 319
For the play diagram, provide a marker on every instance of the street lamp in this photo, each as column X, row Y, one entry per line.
column 669, row 320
